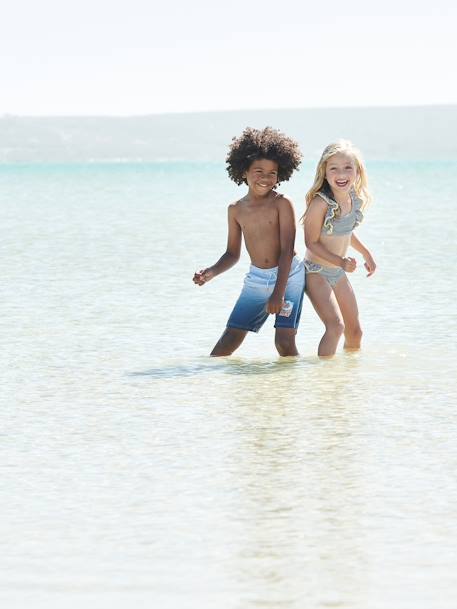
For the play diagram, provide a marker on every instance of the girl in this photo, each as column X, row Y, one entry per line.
column 334, row 209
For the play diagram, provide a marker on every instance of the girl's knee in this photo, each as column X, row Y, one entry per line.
column 335, row 327
column 358, row 333
column 354, row 334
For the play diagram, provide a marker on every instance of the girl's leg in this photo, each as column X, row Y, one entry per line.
column 285, row 341
column 324, row 302
column 230, row 340
column 350, row 312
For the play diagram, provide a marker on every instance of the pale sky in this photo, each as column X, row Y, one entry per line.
column 134, row 57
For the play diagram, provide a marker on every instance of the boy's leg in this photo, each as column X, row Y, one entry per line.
column 285, row 341
column 286, row 327
column 350, row 312
column 324, row 302
column 249, row 314
column 230, row 340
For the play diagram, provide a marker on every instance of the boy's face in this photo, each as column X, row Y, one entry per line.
column 262, row 176
column 341, row 172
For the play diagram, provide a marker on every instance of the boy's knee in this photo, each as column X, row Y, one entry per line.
column 228, row 342
column 285, row 344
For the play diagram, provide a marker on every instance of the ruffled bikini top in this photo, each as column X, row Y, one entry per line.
column 341, row 225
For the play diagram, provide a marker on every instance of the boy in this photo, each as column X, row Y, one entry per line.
column 276, row 278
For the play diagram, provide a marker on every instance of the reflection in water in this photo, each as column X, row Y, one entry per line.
column 225, row 365
column 298, row 473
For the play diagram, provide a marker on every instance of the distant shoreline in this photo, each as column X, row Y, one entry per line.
column 385, row 132
column 9, row 115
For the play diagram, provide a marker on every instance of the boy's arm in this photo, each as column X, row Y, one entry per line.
column 231, row 254
column 314, row 219
column 287, row 242
column 370, row 264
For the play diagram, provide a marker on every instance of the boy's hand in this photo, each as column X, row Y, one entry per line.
column 203, row 276
column 274, row 304
column 349, row 264
column 370, row 265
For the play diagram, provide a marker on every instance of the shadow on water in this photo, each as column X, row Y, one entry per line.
column 225, row 365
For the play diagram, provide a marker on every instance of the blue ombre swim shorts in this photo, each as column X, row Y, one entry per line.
column 250, row 312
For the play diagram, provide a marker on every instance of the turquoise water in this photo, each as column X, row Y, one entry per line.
column 137, row 470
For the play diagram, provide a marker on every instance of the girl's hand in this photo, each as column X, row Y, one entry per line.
column 203, row 276
column 370, row 265
column 349, row 264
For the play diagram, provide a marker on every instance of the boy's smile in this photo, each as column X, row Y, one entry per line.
column 262, row 176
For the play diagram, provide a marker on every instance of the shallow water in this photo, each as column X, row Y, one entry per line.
column 137, row 470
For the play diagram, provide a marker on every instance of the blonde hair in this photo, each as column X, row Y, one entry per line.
column 361, row 182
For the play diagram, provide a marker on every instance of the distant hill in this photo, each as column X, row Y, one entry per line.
column 381, row 133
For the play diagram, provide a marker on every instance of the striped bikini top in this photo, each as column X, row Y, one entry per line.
column 341, row 225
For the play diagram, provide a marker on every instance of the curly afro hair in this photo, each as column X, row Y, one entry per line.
column 268, row 143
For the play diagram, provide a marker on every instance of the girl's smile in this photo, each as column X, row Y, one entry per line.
column 341, row 172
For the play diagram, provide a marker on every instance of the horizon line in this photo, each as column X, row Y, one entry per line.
column 11, row 115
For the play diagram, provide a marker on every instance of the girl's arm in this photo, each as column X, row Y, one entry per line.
column 231, row 255
column 370, row 264
column 314, row 220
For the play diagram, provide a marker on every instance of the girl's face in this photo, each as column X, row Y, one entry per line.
column 341, row 172
column 262, row 176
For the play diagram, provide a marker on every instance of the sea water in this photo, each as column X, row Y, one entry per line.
column 137, row 471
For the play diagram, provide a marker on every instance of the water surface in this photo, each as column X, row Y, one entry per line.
column 137, row 470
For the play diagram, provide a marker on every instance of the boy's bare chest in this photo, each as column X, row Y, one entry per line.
column 256, row 219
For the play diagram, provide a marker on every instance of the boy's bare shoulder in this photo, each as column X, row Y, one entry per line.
column 283, row 200
column 280, row 196
column 236, row 205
